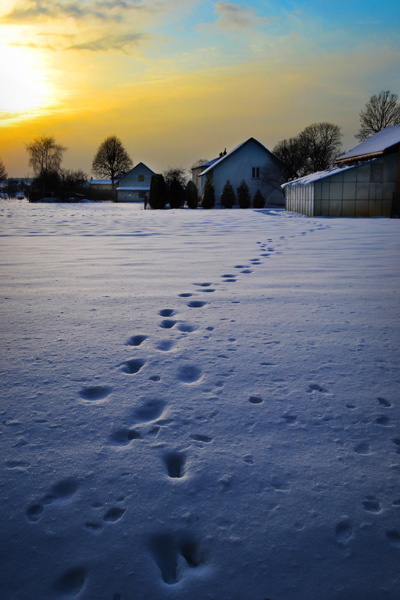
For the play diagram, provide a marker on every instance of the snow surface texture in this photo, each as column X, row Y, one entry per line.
column 198, row 405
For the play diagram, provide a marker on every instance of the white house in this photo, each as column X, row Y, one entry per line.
column 247, row 162
column 134, row 186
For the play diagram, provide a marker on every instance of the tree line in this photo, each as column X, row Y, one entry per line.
column 314, row 149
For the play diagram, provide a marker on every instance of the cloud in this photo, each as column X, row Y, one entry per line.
column 234, row 16
column 102, row 10
column 114, row 42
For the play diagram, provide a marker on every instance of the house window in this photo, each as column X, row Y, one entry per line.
column 255, row 172
column 141, row 177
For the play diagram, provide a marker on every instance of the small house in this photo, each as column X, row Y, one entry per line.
column 249, row 162
column 134, row 186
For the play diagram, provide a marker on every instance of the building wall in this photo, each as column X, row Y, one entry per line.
column 366, row 190
column 132, row 195
column 139, row 177
column 240, row 166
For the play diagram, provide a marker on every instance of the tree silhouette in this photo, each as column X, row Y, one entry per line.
column 111, row 160
column 382, row 110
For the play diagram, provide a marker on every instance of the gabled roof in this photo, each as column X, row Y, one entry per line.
column 376, row 145
column 217, row 161
column 141, row 164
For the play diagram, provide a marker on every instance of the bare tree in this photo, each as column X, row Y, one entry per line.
column 291, row 153
column 111, row 160
column 321, row 144
column 175, row 174
column 3, row 172
column 382, row 110
column 45, row 155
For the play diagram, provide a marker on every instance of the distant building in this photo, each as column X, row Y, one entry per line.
column 247, row 162
column 366, row 182
column 134, row 186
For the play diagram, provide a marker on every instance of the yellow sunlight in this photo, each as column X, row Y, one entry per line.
column 24, row 85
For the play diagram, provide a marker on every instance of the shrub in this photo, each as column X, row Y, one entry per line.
column 244, row 198
column 258, row 200
column 228, row 198
column 158, row 192
column 208, row 200
column 191, row 195
column 176, row 194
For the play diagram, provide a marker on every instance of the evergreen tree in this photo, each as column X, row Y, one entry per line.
column 158, row 192
column 176, row 194
column 208, row 200
column 258, row 200
column 228, row 198
column 191, row 195
column 244, row 197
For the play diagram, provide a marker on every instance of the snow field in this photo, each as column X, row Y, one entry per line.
column 198, row 405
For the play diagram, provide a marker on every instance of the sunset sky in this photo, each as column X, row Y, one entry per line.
column 179, row 80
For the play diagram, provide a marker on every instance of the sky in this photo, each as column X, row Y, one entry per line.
column 180, row 80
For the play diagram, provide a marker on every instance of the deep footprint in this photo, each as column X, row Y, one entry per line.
column 123, row 437
column 174, row 553
column 189, row 373
column 167, row 323
column 136, row 340
column 95, row 393
column 149, row 411
column 175, row 463
column 71, row 583
column 132, row 366
column 166, row 312
column 196, row 304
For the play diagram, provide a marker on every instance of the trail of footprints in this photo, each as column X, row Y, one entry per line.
column 176, row 553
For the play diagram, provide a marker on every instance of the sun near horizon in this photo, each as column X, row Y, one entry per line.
column 180, row 80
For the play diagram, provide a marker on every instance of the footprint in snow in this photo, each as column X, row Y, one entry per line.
column 384, row 402
column 95, row 393
column 167, row 323
column 371, row 504
column 176, row 554
column 113, row 514
column 62, row 492
column 186, row 327
column 175, row 464
column 315, row 387
column 132, row 366
column 136, row 340
column 196, row 304
column 189, row 373
column 362, row 448
column 71, row 583
column 166, row 312
column 344, row 532
column 255, row 400
column 393, row 537
column 166, row 345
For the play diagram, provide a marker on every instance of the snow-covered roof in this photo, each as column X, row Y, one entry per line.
column 318, row 175
column 214, row 163
column 130, row 188
column 375, row 145
column 100, row 182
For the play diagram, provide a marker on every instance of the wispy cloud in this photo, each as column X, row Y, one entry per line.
column 122, row 43
column 234, row 16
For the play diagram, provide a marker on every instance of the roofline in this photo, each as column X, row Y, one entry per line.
column 218, row 162
column 362, row 156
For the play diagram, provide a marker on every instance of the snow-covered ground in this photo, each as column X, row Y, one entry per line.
column 198, row 405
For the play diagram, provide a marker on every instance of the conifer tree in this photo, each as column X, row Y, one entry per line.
column 208, row 200
column 258, row 200
column 158, row 192
column 228, row 198
column 243, row 195
column 191, row 195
